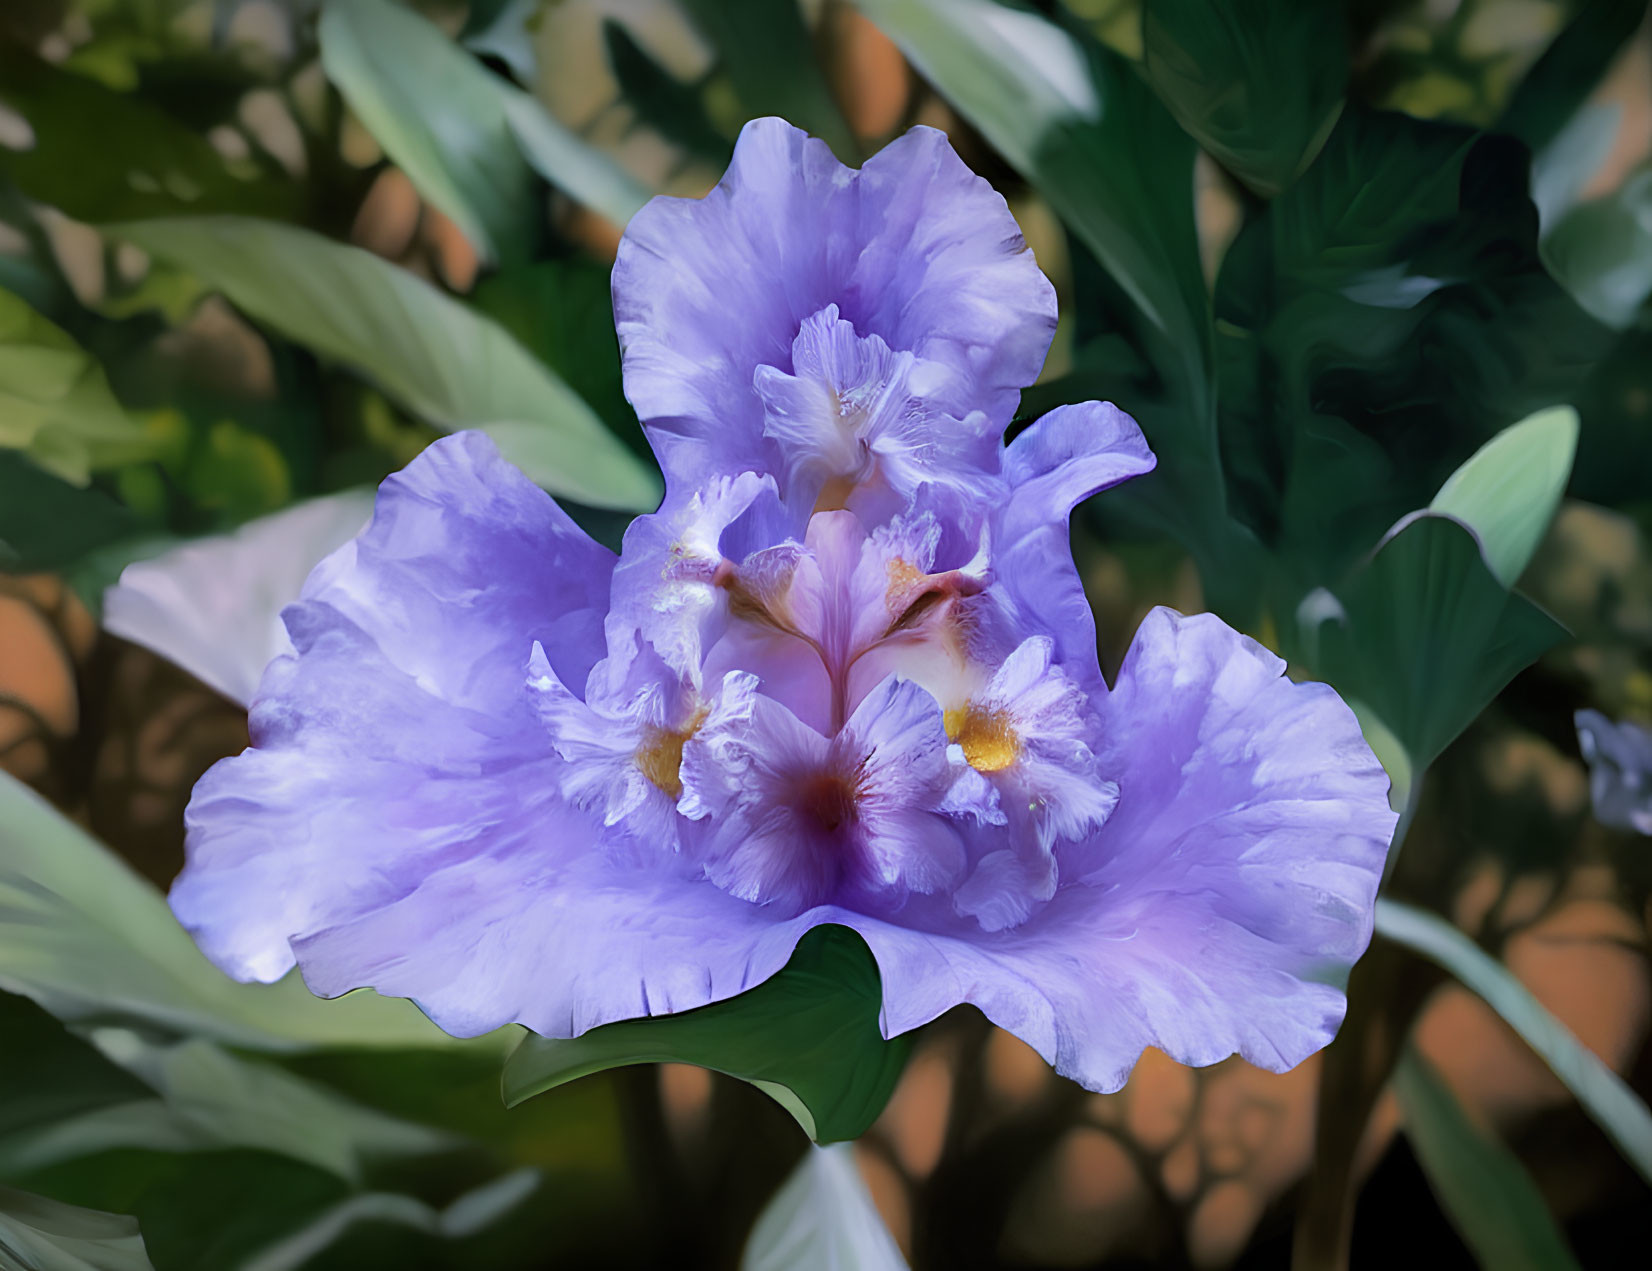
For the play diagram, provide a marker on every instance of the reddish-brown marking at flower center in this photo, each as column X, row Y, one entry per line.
column 830, row 799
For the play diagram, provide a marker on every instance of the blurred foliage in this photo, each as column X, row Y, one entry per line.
column 1340, row 260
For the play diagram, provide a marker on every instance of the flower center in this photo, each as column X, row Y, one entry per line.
column 661, row 754
column 986, row 737
column 829, row 799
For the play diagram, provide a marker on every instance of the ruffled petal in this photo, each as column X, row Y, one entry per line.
column 915, row 249
column 1219, row 908
column 402, row 729
column 1058, row 461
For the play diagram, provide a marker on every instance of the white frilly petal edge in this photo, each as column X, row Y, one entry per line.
column 213, row 606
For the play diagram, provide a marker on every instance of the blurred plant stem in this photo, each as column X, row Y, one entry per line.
column 1386, row 993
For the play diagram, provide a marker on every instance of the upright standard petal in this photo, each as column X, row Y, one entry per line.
column 914, row 250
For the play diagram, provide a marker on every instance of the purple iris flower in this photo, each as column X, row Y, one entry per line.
column 846, row 674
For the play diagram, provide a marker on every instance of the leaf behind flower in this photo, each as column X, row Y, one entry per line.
column 808, row 1037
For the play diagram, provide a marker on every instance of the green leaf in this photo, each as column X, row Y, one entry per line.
column 822, row 1219
column 46, row 523
column 582, row 172
column 48, row 1075
column 808, row 1036
column 55, row 404
column 674, row 109
column 1599, row 1091
column 770, row 57
column 1508, row 491
column 200, row 1097
column 440, row 359
column 1076, row 121
column 471, row 1213
column 1479, row 1183
column 1601, row 251
column 1562, row 79
column 37, row 1234
column 1425, row 634
column 149, row 164
column 1259, row 85
column 93, row 943
column 454, row 145
column 1377, row 322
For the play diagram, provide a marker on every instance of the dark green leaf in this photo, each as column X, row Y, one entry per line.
column 1569, row 69
column 667, row 105
column 1601, row 1093
column 1480, row 1184
column 1078, row 123
column 441, row 359
column 1427, row 636
column 38, row 1234
column 146, row 164
column 48, row 1075
column 46, row 523
column 809, row 1037
column 562, row 312
column 1376, row 323
column 770, row 57
column 1258, row 83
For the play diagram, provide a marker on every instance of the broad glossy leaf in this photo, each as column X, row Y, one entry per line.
column 809, row 1037
column 440, row 359
column 1480, row 1184
column 150, row 164
column 1599, row 1091
column 213, row 605
column 1601, row 251
column 822, row 1219
column 1076, row 120
column 1562, row 79
column 200, row 1097
column 1377, row 322
column 39, row 1234
column 1259, row 85
column 453, row 144
column 1426, row 635
column 1508, row 491
column 93, row 943
column 55, row 404
column 770, row 57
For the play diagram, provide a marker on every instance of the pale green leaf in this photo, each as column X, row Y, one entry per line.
column 472, row 1212
column 1481, row 1186
column 1508, row 490
column 39, row 1234
column 435, row 111
column 55, row 405
column 822, row 1219
column 440, row 359
column 93, row 943
column 1600, row 1091
column 465, row 137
